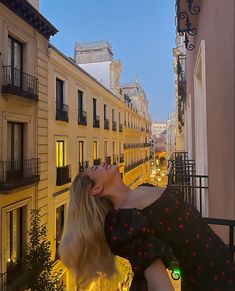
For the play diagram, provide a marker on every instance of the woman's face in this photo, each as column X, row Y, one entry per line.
column 103, row 174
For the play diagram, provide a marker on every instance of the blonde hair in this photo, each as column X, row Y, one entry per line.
column 83, row 248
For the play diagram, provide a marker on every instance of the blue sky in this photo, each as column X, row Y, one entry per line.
column 142, row 35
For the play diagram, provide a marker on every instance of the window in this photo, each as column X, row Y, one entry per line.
column 60, row 153
column 60, row 215
column 80, row 102
column 105, row 148
column 59, row 93
column 114, row 147
column 95, row 150
column 119, row 118
column 94, row 108
column 105, row 111
column 15, row 139
column 15, row 61
column 81, row 151
column 16, row 234
column 113, row 115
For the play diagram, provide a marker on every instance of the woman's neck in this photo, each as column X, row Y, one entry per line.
column 118, row 194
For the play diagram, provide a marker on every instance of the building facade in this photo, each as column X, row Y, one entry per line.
column 206, row 90
column 24, row 37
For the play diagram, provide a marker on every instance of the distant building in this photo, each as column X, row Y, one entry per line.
column 158, row 130
column 171, row 135
column 97, row 59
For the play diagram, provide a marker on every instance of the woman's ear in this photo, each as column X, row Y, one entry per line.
column 97, row 189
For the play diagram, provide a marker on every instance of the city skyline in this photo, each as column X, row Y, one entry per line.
column 129, row 36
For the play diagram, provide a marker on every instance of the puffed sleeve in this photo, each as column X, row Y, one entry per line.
column 129, row 235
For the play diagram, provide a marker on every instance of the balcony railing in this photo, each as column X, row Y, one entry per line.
column 120, row 127
column 14, row 174
column 115, row 159
column 96, row 121
column 13, row 271
column 121, row 158
column 114, row 126
column 63, row 175
column 106, row 123
column 182, row 175
column 96, row 162
column 133, row 165
column 108, row 160
column 83, row 166
column 62, row 111
column 19, row 83
column 82, row 118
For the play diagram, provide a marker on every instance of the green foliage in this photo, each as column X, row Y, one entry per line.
column 38, row 272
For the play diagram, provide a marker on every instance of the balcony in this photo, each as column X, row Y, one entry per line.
column 121, row 158
column 106, row 123
column 96, row 162
column 114, row 126
column 62, row 111
column 82, row 166
column 14, row 270
column 108, row 160
column 182, row 176
column 115, row 159
column 19, row 83
column 82, row 118
column 63, row 175
column 96, row 121
column 120, row 127
column 15, row 174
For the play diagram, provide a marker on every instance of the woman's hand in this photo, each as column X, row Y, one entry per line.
column 157, row 277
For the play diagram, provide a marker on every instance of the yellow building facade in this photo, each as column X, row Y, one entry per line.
column 87, row 124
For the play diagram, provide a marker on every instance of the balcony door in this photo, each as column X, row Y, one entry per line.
column 60, row 153
column 15, row 239
column 80, row 103
column 94, row 108
column 59, row 93
column 15, row 62
column 15, row 139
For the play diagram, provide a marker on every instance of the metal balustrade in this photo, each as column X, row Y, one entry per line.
column 14, row 174
column 182, row 175
column 17, row 82
column 82, row 118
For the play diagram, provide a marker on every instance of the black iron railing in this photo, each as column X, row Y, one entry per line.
column 108, row 160
column 96, row 121
column 96, row 162
column 19, row 83
column 14, row 174
column 133, row 165
column 63, row 175
column 114, row 125
column 106, row 124
column 121, row 158
column 13, row 271
column 120, row 127
column 194, row 188
column 82, row 118
column 62, row 111
column 82, row 166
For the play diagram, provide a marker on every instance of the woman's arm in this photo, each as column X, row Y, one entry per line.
column 157, row 278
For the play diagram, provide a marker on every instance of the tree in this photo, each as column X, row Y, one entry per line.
column 37, row 273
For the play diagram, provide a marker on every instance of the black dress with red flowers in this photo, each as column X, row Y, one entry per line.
column 167, row 229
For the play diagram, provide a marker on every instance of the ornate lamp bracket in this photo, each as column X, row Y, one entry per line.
column 184, row 17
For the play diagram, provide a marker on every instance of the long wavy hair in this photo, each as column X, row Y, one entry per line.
column 83, row 248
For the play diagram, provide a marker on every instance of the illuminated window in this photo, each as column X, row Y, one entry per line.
column 16, row 234
column 60, row 153
column 59, row 225
column 81, row 151
column 95, row 150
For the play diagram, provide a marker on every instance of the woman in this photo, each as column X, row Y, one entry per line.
column 149, row 226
